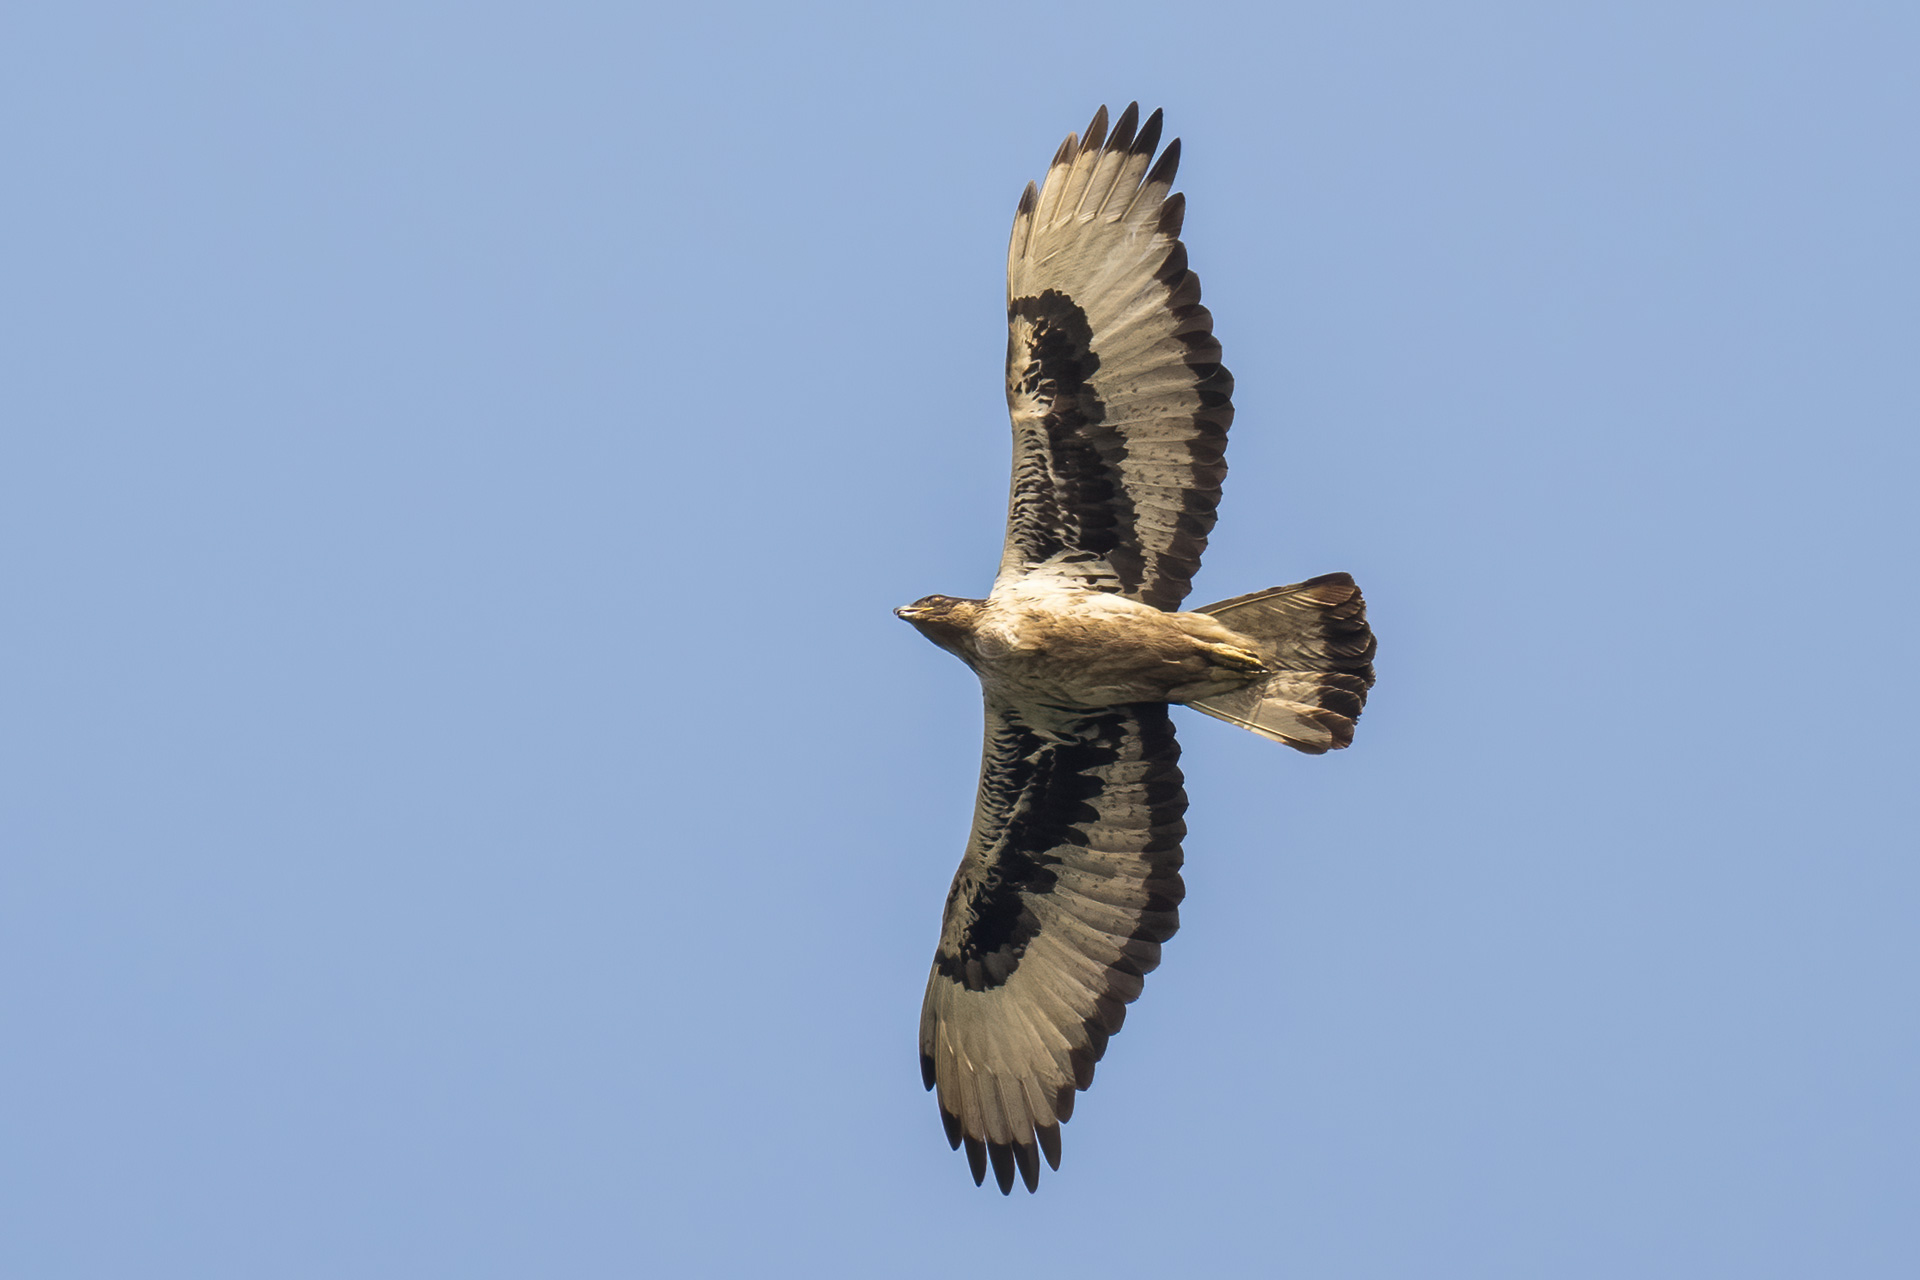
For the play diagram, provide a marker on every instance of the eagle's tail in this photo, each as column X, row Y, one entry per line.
column 1314, row 637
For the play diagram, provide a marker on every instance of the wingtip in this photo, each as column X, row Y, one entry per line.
column 1173, row 216
column 1148, row 138
column 1166, row 167
column 1002, row 1156
column 1049, row 1137
column 1026, row 1158
column 1096, row 135
column 977, row 1159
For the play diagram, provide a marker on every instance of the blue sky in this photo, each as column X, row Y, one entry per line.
column 471, row 812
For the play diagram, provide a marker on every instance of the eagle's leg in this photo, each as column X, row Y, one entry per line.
column 1221, row 668
column 1235, row 658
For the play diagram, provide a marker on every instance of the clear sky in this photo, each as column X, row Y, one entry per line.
column 470, row 813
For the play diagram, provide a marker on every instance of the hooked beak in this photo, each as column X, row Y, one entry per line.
column 907, row 613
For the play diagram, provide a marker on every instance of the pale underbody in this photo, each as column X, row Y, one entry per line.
column 1045, row 644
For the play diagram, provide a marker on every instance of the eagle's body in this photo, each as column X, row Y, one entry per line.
column 1071, row 879
column 1041, row 644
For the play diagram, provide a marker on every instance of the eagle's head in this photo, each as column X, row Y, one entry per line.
column 945, row 620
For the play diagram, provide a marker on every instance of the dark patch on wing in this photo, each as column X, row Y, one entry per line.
column 1039, row 790
column 1072, row 496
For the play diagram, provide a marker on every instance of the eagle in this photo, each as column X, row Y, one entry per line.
column 1071, row 878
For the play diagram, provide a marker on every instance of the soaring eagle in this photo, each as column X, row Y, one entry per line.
column 1071, row 878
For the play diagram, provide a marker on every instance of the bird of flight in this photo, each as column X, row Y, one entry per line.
column 1071, row 878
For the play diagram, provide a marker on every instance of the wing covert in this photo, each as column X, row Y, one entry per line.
column 1070, row 883
column 1119, row 402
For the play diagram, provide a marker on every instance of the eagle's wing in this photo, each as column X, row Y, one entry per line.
column 1070, row 883
column 1120, row 406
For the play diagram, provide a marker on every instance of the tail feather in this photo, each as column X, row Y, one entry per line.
column 1315, row 639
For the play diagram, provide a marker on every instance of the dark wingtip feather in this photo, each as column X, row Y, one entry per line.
column 977, row 1159
column 1028, row 1162
column 1173, row 216
column 1149, row 135
column 1002, row 1156
column 951, row 1123
column 1096, row 130
column 1174, row 269
column 1050, row 1145
column 1121, row 139
column 926, row 1069
column 1065, row 153
column 1029, row 200
column 1166, row 166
